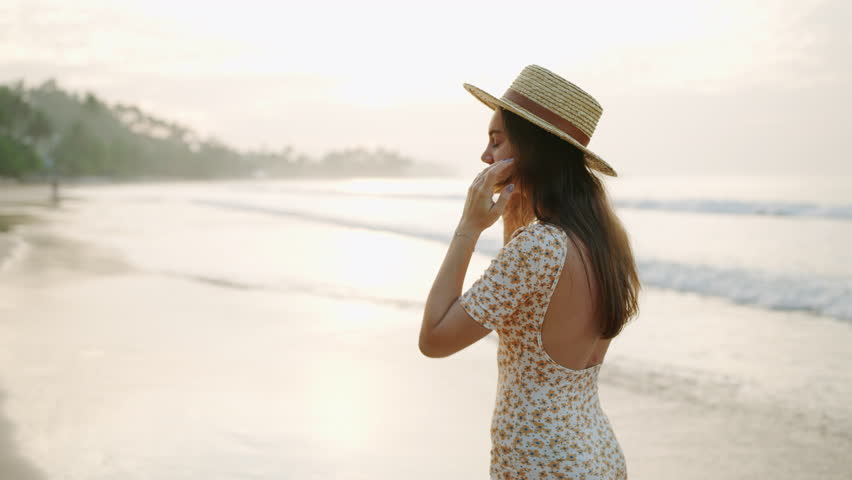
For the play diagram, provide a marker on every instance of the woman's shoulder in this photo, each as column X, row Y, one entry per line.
column 539, row 238
column 542, row 231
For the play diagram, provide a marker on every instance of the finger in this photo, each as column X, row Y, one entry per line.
column 495, row 172
column 481, row 178
column 501, row 202
column 482, row 182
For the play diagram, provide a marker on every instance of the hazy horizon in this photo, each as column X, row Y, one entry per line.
column 751, row 87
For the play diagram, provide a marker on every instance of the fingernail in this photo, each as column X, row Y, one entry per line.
column 511, row 187
column 508, row 159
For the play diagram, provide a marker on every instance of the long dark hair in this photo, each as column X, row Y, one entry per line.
column 560, row 189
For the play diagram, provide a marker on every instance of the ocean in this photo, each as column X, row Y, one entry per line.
column 746, row 303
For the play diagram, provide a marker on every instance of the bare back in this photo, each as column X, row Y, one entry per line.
column 570, row 331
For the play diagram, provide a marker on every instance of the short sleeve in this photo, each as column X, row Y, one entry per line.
column 524, row 269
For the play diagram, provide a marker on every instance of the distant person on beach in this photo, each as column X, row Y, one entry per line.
column 563, row 285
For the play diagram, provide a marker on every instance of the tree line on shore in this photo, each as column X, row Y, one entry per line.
column 46, row 132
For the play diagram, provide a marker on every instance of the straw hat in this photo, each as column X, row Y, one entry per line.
column 554, row 104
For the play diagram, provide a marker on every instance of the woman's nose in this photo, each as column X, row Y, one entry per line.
column 487, row 158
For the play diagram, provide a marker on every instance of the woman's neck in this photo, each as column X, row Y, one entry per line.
column 515, row 216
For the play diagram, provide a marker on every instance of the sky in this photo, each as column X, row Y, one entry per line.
column 687, row 87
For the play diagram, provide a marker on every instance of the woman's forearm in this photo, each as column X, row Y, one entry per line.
column 448, row 284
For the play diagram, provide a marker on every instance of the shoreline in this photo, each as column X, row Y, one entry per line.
column 15, row 194
column 16, row 202
column 18, row 206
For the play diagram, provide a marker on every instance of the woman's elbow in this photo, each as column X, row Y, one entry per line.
column 429, row 350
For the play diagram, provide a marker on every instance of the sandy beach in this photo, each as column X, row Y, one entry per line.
column 121, row 361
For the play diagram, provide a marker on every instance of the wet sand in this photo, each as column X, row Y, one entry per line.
column 110, row 371
column 13, row 199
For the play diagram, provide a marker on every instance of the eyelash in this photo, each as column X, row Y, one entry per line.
column 494, row 145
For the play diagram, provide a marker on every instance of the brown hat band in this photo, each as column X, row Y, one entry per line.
column 547, row 115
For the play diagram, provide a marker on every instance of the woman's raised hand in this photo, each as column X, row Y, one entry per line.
column 480, row 212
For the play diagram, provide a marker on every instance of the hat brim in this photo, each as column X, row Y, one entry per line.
column 593, row 160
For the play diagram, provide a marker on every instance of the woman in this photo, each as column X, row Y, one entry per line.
column 561, row 288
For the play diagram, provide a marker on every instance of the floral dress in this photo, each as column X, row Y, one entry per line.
column 547, row 421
